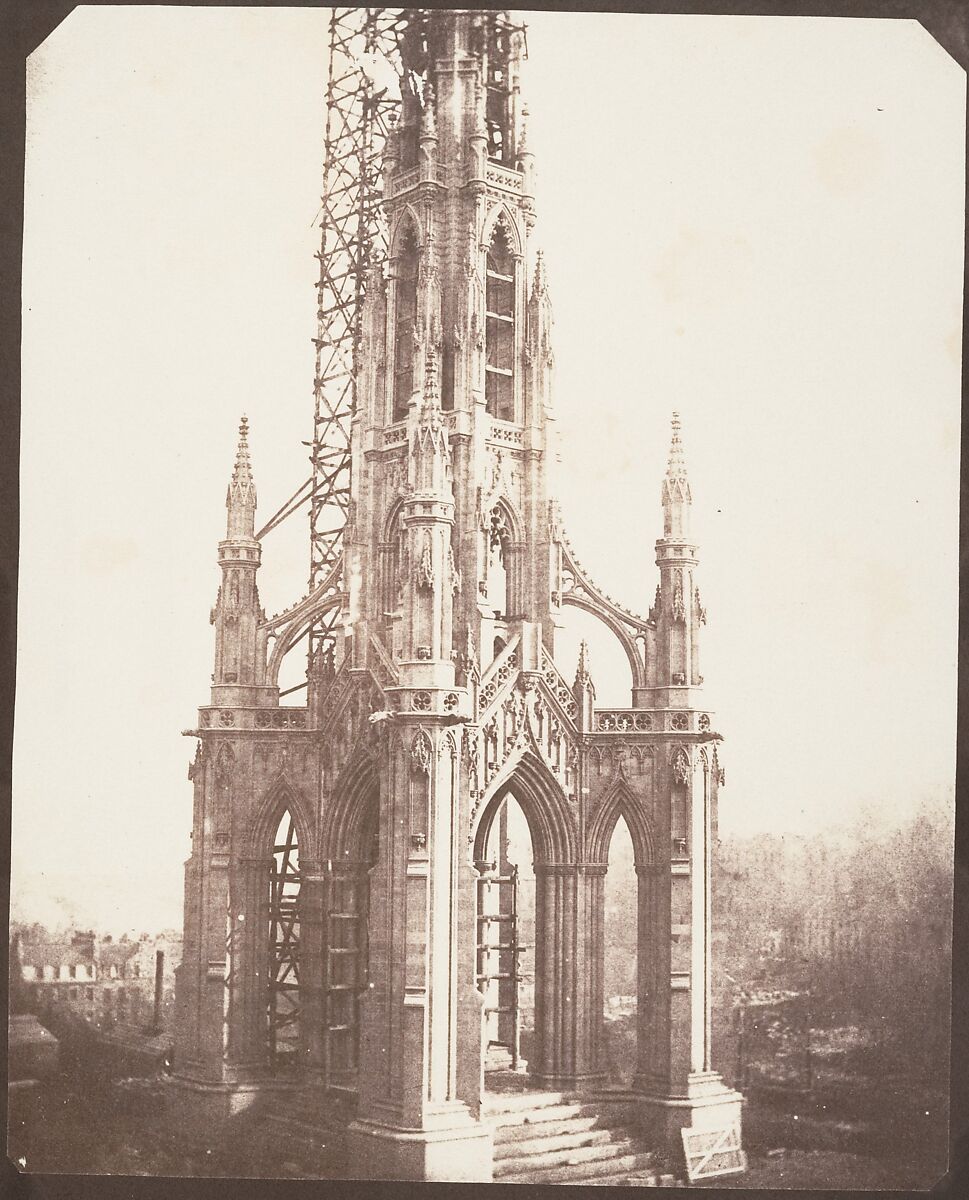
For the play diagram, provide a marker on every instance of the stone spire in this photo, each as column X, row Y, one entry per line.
column 582, row 673
column 240, row 644
column 583, row 689
column 676, row 496
column 432, row 454
column 240, row 498
column 540, row 278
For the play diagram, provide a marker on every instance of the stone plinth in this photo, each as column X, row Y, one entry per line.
column 456, row 1150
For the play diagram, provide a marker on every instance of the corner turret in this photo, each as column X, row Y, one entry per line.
column 240, row 645
column 677, row 610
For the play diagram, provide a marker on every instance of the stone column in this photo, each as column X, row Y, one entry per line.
column 679, row 1087
column 653, row 975
column 592, row 979
column 312, row 890
column 566, row 1016
column 414, row 1121
column 246, row 1058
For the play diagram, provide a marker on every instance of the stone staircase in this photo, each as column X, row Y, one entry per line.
column 554, row 1137
column 539, row 1137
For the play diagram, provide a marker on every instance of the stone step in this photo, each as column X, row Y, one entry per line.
column 501, row 1102
column 525, row 1147
column 556, row 1112
column 508, row 1135
column 584, row 1132
column 602, row 1171
column 596, row 1117
column 571, row 1157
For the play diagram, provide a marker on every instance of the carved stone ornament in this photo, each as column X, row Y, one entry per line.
column 453, row 571
column 701, row 612
column 679, row 608
column 425, row 566
column 223, row 764
column 421, row 751
column 469, row 660
column 477, row 332
column 682, row 768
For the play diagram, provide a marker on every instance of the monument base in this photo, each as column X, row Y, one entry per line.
column 707, row 1103
column 216, row 1102
column 452, row 1150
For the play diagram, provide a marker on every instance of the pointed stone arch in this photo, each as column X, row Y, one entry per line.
column 548, row 814
column 407, row 219
column 350, row 819
column 281, row 795
column 390, row 526
column 498, row 499
column 621, row 801
column 500, row 213
column 512, row 547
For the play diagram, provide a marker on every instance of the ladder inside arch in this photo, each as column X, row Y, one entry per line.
column 284, row 949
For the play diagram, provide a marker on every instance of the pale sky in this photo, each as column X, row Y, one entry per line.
column 756, row 221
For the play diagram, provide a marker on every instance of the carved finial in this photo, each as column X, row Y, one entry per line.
column 523, row 136
column 540, row 282
column 582, row 672
column 432, row 398
column 676, row 496
column 676, row 468
column 242, row 472
column 431, row 439
column 240, row 499
column 428, row 117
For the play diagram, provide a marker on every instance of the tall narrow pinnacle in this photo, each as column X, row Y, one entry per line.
column 240, row 499
column 242, row 472
column 431, row 396
column 582, row 672
column 523, row 135
column 540, row 281
column 676, row 496
column 431, row 446
column 676, row 468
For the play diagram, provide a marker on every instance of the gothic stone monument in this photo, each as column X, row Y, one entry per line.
column 332, row 892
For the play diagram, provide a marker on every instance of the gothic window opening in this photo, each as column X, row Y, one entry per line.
column 406, row 320
column 346, row 964
column 505, row 958
column 620, row 955
column 284, row 948
column 500, row 327
column 496, row 578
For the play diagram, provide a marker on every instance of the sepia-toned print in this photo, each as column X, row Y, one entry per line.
column 571, row 798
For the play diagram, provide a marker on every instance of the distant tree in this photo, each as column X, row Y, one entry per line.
column 859, row 916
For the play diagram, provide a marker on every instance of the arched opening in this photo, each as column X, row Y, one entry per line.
column 500, row 326
column 496, row 567
column 346, row 948
column 405, row 308
column 505, row 959
column 620, row 957
column 284, row 949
